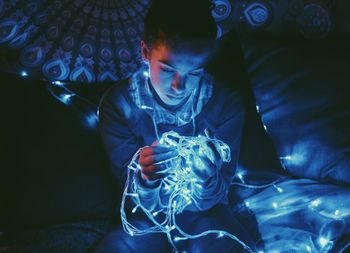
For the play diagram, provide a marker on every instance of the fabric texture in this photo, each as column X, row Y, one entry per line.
column 126, row 126
column 302, row 97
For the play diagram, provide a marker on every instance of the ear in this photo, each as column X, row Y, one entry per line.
column 144, row 51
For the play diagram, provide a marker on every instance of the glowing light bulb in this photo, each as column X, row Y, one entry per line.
column 134, row 209
column 66, row 98
column 279, row 189
column 308, row 248
column 323, row 241
column 274, row 204
column 146, row 107
column 240, row 176
column 221, row 234
column 288, row 157
column 145, row 73
column 315, row 203
column 24, row 73
column 57, row 83
column 336, row 212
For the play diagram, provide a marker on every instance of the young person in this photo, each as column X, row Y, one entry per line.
column 174, row 92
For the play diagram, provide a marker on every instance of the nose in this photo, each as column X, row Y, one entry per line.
column 179, row 82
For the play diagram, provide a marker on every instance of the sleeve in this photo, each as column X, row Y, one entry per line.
column 228, row 129
column 118, row 139
column 121, row 143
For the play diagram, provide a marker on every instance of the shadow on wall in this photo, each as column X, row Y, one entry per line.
column 53, row 166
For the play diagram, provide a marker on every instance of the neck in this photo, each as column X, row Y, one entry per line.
column 171, row 108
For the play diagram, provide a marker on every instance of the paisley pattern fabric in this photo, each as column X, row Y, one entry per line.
column 76, row 41
column 97, row 41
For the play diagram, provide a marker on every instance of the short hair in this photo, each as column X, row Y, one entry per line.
column 173, row 21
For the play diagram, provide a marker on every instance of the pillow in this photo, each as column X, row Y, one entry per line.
column 302, row 92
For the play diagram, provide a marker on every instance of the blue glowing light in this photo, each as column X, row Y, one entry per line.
column 323, row 241
column 181, row 183
column 57, row 83
column 315, row 203
column 91, row 120
column 276, row 199
column 24, row 73
column 288, row 157
column 66, row 98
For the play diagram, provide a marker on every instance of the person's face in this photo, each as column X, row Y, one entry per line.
column 174, row 73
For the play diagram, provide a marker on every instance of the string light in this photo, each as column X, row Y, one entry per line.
column 288, row 157
column 324, row 245
column 91, row 120
column 315, row 203
column 57, row 83
column 274, row 204
column 24, row 73
column 240, row 176
column 308, row 248
column 323, row 241
column 181, row 185
column 66, row 98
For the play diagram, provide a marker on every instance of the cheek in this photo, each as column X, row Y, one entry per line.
column 154, row 75
column 161, row 80
column 193, row 82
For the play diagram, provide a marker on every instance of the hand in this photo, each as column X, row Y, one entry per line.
column 152, row 161
column 207, row 160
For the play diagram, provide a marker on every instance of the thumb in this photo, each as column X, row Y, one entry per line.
column 155, row 143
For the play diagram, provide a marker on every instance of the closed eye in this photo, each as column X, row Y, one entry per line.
column 196, row 74
column 166, row 69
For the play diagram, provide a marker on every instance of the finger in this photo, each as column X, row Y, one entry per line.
column 149, row 170
column 163, row 149
column 164, row 170
column 164, row 157
column 206, row 162
column 157, row 170
column 157, row 159
column 215, row 151
column 147, row 151
column 152, row 177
